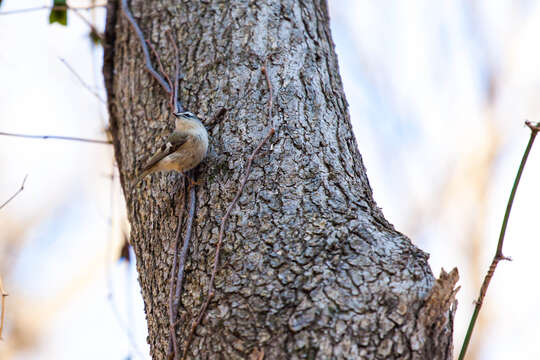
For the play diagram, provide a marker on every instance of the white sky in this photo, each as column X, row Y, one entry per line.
column 415, row 76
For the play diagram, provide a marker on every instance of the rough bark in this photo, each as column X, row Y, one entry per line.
column 310, row 268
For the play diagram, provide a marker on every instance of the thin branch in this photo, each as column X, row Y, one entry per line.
column 7, row 202
column 185, row 246
column 162, row 71
column 174, row 295
column 55, row 137
column 46, row 7
column 211, row 292
column 81, row 80
column 183, row 255
column 147, row 60
column 499, row 253
column 177, row 106
column 252, row 157
column 161, row 68
column 93, row 29
column 75, row 9
column 3, row 294
column 124, row 325
column 173, row 308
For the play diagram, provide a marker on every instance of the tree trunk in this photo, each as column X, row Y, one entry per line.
column 310, row 268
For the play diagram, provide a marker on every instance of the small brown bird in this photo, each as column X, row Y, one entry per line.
column 184, row 149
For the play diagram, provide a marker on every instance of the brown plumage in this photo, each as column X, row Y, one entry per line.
column 183, row 150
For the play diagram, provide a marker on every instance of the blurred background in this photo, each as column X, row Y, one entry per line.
column 438, row 94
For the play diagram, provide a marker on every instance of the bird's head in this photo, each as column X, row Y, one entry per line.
column 186, row 119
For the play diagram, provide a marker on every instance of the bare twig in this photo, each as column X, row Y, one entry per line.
column 172, row 90
column 499, row 253
column 46, row 7
column 14, row 195
column 252, row 157
column 183, row 255
column 173, row 309
column 55, row 137
column 177, row 106
column 147, row 60
column 124, row 325
column 161, row 69
column 87, row 87
column 220, row 238
column 75, row 9
column 3, row 294
column 185, row 246
column 93, row 29
column 176, row 289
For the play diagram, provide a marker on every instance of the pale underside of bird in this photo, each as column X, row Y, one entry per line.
column 183, row 150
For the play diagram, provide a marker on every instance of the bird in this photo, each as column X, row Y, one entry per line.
column 183, row 150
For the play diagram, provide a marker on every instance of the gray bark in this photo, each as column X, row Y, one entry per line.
column 310, row 268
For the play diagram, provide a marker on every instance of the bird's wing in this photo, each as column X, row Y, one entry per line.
column 173, row 143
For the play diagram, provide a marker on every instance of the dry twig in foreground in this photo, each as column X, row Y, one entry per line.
column 13, row 197
column 3, row 294
column 499, row 253
column 47, row 7
column 56, row 137
column 83, row 83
